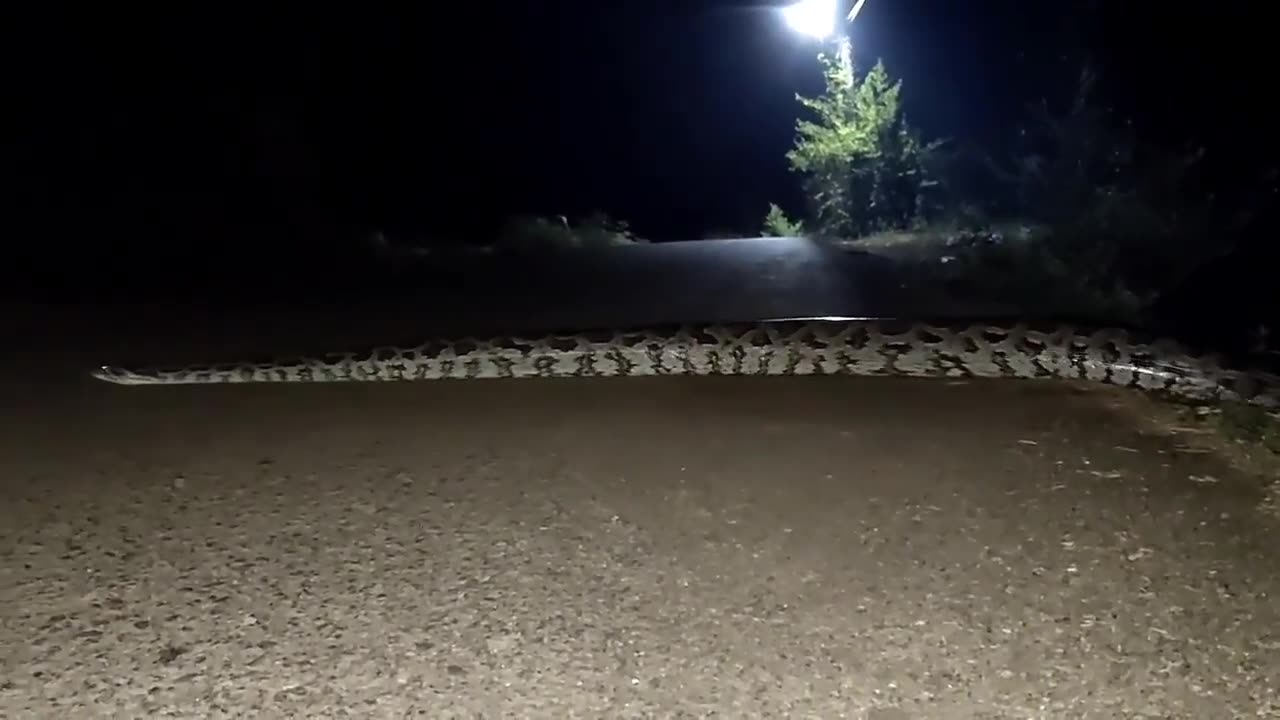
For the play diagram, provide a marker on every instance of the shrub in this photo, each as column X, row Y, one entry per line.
column 865, row 168
column 535, row 233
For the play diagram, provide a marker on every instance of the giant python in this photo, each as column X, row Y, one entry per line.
column 1110, row 356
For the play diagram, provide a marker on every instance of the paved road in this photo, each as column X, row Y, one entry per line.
column 661, row 547
column 707, row 280
column 704, row 281
column 717, row 280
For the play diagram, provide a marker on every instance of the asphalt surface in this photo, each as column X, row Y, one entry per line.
column 635, row 547
column 641, row 547
column 746, row 279
column 713, row 280
column 702, row 281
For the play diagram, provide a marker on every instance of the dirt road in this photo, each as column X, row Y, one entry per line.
column 660, row 547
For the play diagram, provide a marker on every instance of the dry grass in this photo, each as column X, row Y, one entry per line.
column 1245, row 437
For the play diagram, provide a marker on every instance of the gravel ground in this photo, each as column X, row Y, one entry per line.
column 643, row 547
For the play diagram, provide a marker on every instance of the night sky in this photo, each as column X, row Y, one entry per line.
column 166, row 134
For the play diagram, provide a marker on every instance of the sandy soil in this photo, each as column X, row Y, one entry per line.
column 777, row 547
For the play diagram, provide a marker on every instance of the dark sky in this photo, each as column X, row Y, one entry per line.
column 165, row 132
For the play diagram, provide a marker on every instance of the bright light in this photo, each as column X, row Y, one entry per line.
column 815, row 18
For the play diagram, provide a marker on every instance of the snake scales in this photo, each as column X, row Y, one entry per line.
column 792, row 347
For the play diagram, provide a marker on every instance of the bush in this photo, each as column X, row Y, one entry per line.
column 1122, row 216
column 865, row 169
column 533, row 233
column 777, row 224
column 1079, row 216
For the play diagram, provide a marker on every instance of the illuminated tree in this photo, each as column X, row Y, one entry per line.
column 864, row 168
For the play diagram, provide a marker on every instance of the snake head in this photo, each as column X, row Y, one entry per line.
column 118, row 375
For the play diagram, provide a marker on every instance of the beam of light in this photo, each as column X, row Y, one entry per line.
column 856, row 7
column 815, row 18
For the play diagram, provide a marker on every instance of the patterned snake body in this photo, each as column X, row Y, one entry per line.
column 792, row 347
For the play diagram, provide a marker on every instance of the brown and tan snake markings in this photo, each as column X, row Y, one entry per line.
column 793, row 347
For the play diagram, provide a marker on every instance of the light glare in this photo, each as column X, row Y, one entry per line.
column 815, row 18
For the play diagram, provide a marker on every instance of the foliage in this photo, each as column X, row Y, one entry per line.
column 778, row 224
column 1028, row 271
column 865, row 169
column 1078, row 215
column 599, row 229
column 533, row 233
column 1121, row 213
